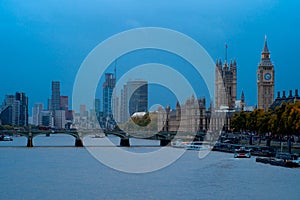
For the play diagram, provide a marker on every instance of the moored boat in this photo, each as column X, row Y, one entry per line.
column 191, row 145
column 6, row 138
column 281, row 159
column 242, row 153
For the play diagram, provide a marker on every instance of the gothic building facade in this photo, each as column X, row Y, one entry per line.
column 188, row 117
column 265, row 79
column 225, row 84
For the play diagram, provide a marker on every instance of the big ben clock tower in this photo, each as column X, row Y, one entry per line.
column 265, row 79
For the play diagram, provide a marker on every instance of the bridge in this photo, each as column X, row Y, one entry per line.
column 164, row 137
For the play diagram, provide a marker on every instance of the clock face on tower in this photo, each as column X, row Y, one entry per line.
column 267, row 76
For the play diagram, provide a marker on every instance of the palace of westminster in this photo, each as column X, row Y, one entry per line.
column 193, row 116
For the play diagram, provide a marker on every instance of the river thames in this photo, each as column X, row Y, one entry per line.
column 54, row 169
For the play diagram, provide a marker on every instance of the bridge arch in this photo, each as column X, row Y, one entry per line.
column 33, row 134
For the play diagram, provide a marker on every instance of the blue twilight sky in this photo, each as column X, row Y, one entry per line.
column 47, row 40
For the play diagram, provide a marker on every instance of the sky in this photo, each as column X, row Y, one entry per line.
column 48, row 40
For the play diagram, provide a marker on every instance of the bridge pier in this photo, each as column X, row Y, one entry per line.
column 29, row 142
column 164, row 142
column 124, row 142
column 78, row 142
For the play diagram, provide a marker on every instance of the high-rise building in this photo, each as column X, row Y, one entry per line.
column 23, row 103
column 49, row 107
column 116, row 107
column 64, row 103
column 55, row 99
column 225, row 84
column 97, row 107
column 59, row 106
column 83, row 111
column 265, row 79
column 36, row 111
column 8, row 110
column 134, row 98
column 60, row 118
column 46, row 118
column 14, row 110
column 108, row 87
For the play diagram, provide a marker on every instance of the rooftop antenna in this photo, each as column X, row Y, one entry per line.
column 226, row 47
column 265, row 37
column 115, row 69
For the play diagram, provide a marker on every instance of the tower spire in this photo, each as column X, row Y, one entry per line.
column 242, row 101
column 265, row 50
column 226, row 47
column 115, row 70
column 265, row 54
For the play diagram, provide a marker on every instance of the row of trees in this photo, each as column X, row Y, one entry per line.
column 284, row 120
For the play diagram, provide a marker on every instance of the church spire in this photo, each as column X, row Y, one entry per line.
column 242, row 104
column 242, row 96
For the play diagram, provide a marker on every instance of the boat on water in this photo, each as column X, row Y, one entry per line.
column 191, row 145
column 6, row 138
column 98, row 136
column 242, row 153
column 255, row 150
column 281, row 159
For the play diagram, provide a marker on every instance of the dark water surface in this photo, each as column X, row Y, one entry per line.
column 66, row 172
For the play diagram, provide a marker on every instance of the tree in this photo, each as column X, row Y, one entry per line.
column 238, row 121
column 253, row 120
column 291, row 117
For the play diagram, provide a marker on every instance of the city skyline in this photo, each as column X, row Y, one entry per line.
column 160, row 99
column 45, row 54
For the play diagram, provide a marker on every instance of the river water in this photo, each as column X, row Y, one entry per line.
column 54, row 169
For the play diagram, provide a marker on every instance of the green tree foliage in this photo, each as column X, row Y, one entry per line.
column 284, row 120
column 238, row 121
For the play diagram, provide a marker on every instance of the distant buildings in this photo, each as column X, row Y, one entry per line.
column 285, row 99
column 46, row 118
column 36, row 113
column 55, row 100
column 108, row 87
column 134, row 98
column 59, row 118
column 265, row 79
column 83, row 111
column 97, row 106
column 58, row 108
column 193, row 117
column 57, row 114
column 14, row 110
column 225, row 84
column 64, row 103
column 189, row 117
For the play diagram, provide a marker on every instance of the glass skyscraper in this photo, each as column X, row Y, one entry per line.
column 55, row 99
column 108, row 87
